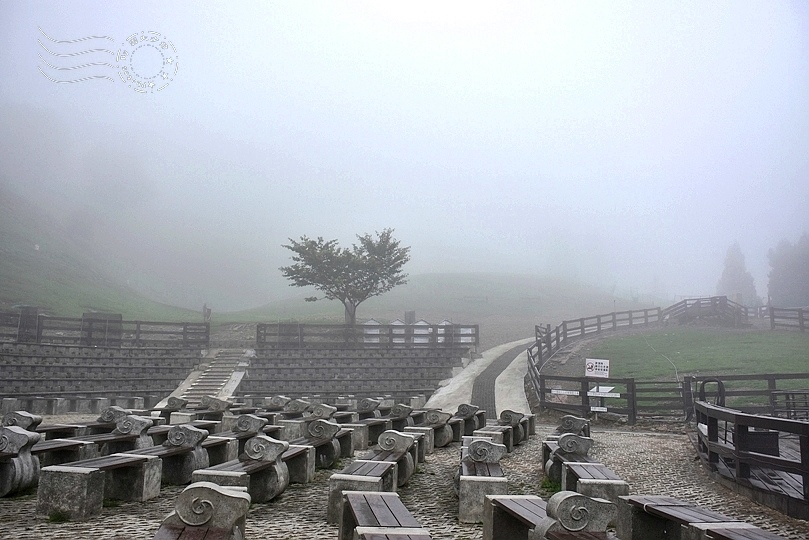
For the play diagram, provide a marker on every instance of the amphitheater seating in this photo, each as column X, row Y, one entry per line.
column 479, row 474
column 221, row 518
column 373, row 515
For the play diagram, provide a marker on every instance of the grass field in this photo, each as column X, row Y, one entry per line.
column 702, row 351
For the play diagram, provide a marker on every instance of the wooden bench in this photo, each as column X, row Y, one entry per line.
column 565, row 516
column 78, row 489
column 568, row 447
column 58, row 451
column 181, row 454
column 260, row 469
column 473, row 417
column 593, row 480
column 479, row 474
column 501, row 434
column 575, row 425
column 653, row 516
column 519, row 422
column 399, row 448
column 160, row 433
column 751, row 533
column 371, row 515
column 221, row 518
column 361, row 475
column 511, row 517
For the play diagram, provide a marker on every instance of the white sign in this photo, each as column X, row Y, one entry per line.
column 597, row 367
column 598, row 409
column 603, row 394
column 564, row 392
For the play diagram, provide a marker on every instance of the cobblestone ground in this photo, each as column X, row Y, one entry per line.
column 656, row 463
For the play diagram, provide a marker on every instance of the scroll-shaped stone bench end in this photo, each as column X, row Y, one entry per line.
column 366, row 405
column 396, row 441
column 484, row 451
column 249, row 422
column 320, row 411
column 571, row 511
column 467, row 410
column 323, row 429
column 113, row 414
column 436, row 418
column 176, row 403
column 22, row 419
column 185, row 435
column 296, row 406
column 205, row 505
column 264, row 448
column 400, row 410
column 511, row 418
column 215, row 404
column 571, row 443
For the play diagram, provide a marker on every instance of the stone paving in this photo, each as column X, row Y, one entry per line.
column 656, row 463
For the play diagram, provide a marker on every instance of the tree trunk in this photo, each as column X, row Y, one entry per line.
column 351, row 313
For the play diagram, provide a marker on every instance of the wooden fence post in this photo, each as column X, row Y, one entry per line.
column 585, row 399
column 632, row 402
column 688, row 397
column 614, row 320
column 801, row 320
column 564, row 332
column 541, row 391
column 630, row 318
column 772, row 318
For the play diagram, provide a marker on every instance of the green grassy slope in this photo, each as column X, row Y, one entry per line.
column 41, row 264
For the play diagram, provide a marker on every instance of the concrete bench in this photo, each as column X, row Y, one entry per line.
column 19, row 468
column 371, row 515
column 519, row 422
column 473, row 417
column 499, row 433
column 575, row 425
column 593, row 480
column 568, row 447
column 566, row 516
column 58, row 451
column 260, row 469
column 479, row 474
column 399, row 448
column 361, row 475
column 322, row 437
column 442, row 431
column 654, row 516
column 77, row 489
column 210, row 408
column 130, row 433
column 159, row 434
column 181, row 454
column 222, row 517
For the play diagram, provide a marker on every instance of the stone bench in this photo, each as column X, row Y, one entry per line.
column 653, row 516
column 181, row 454
column 322, row 436
column 473, row 418
column 568, row 447
column 371, row 515
column 260, row 469
column 210, row 408
column 160, row 433
column 498, row 433
column 222, row 517
column 575, row 425
column 479, row 474
column 19, row 468
column 399, row 448
column 130, row 433
column 565, row 516
column 77, row 490
column 438, row 422
column 58, row 451
column 361, row 475
column 593, row 480
column 520, row 424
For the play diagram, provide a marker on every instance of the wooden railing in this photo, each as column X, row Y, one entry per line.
column 797, row 319
column 102, row 332
column 718, row 306
column 296, row 336
column 728, row 433
column 548, row 341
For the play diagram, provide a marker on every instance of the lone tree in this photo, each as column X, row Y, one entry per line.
column 350, row 275
column 736, row 281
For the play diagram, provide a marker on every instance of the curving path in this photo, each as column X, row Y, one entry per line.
column 494, row 382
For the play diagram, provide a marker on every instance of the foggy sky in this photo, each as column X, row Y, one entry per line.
column 627, row 144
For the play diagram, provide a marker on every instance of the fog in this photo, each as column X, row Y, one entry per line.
column 623, row 144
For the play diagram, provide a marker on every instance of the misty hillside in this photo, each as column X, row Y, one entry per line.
column 506, row 306
column 47, row 263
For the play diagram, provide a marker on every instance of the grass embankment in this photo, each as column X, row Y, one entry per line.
column 704, row 351
column 715, row 352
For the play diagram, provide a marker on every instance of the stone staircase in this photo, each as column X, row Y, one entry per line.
column 217, row 375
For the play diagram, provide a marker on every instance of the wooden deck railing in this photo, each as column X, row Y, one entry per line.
column 729, row 434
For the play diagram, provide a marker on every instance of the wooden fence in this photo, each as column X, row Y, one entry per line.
column 771, row 394
column 102, row 332
column 795, row 319
column 298, row 336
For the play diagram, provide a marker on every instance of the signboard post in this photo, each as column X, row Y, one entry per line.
column 598, row 368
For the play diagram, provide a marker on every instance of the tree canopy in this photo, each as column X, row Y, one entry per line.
column 350, row 275
column 736, row 282
column 789, row 273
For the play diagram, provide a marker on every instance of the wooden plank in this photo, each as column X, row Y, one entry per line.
column 687, row 514
column 528, row 511
column 753, row 533
column 382, row 511
column 398, row 509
